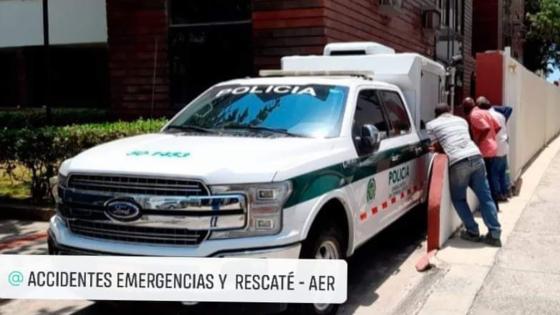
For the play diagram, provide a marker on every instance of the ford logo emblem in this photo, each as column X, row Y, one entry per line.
column 122, row 210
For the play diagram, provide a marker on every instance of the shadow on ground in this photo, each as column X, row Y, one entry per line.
column 382, row 257
column 13, row 229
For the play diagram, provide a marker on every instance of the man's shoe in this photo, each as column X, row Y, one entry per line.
column 502, row 199
column 468, row 236
column 492, row 241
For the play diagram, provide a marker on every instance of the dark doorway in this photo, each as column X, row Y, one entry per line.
column 209, row 41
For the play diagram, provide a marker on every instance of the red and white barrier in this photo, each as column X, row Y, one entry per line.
column 442, row 217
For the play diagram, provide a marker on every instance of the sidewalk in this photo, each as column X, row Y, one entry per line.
column 523, row 277
column 526, row 275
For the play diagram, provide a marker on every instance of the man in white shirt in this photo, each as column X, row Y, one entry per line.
column 466, row 169
column 500, row 179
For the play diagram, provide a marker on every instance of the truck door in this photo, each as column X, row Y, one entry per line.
column 406, row 176
column 368, row 188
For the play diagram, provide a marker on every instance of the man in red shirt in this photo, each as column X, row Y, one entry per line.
column 484, row 128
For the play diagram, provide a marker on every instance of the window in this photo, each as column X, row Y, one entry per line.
column 314, row 111
column 369, row 111
column 452, row 14
column 398, row 116
column 209, row 41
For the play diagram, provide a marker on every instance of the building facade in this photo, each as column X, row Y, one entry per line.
column 499, row 24
column 454, row 45
column 164, row 52
column 151, row 57
column 53, row 52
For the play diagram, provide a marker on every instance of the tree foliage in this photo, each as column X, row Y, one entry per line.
column 543, row 37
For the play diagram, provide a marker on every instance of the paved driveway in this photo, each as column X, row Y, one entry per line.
column 371, row 267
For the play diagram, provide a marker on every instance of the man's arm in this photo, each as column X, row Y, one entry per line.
column 436, row 148
column 504, row 110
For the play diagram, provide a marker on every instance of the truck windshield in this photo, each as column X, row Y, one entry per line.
column 294, row 110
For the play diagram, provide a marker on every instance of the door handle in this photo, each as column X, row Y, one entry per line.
column 395, row 157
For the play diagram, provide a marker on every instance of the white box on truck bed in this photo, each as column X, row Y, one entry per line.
column 421, row 80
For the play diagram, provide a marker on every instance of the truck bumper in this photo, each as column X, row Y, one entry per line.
column 61, row 241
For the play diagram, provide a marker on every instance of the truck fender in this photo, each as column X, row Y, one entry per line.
column 340, row 196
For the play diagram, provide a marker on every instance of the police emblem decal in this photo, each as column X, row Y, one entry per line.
column 371, row 187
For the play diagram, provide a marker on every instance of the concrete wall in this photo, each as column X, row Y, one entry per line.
column 536, row 117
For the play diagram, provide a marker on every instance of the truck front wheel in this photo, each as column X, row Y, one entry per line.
column 323, row 242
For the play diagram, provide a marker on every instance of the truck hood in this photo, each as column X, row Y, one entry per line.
column 212, row 159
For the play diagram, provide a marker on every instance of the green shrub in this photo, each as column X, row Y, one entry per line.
column 37, row 117
column 41, row 150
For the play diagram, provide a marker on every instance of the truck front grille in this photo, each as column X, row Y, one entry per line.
column 137, row 234
column 137, row 185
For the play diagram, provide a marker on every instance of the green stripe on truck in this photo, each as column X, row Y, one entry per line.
column 314, row 184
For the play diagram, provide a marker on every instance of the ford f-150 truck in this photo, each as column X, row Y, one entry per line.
column 307, row 162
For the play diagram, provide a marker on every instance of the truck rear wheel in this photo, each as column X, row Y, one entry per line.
column 323, row 242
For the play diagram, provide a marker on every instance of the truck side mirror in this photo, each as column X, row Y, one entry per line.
column 370, row 138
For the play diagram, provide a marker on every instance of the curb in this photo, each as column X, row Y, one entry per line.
column 9, row 211
column 424, row 263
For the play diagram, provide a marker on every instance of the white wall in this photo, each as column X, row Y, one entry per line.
column 536, row 116
column 21, row 23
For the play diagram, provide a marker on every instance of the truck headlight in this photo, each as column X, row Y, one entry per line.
column 56, row 183
column 59, row 183
column 265, row 203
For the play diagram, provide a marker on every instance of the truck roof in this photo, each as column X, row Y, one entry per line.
column 349, row 81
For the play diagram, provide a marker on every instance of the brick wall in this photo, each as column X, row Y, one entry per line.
column 134, row 27
column 351, row 20
column 303, row 27
column 280, row 28
column 288, row 27
column 486, row 29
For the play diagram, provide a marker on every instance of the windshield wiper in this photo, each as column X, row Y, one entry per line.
column 266, row 129
column 190, row 128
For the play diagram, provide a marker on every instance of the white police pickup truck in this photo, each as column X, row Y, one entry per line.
column 306, row 163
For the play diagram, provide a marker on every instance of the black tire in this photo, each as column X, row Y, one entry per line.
column 323, row 232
